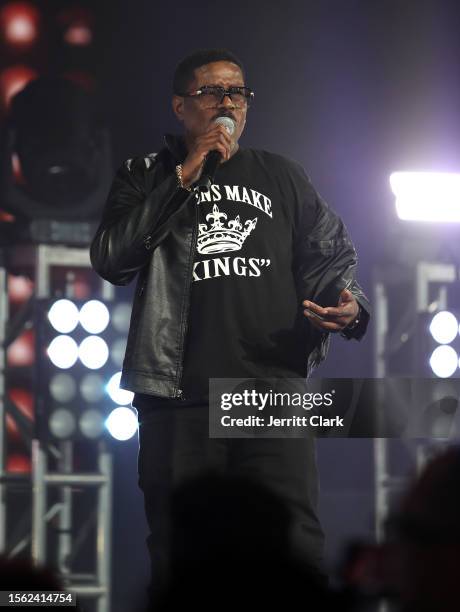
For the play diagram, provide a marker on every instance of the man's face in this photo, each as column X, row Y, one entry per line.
column 196, row 118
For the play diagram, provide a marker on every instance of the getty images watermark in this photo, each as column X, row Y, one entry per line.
column 341, row 407
column 259, row 401
column 270, row 408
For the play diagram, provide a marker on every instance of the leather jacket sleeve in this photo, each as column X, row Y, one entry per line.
column 325, row 259
column 135, row 219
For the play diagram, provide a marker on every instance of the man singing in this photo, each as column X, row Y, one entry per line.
column 246, row 279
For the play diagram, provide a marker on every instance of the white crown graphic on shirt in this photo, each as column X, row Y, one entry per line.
column 218, row 238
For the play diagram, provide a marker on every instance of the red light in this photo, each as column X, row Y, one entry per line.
column 13, row 79
column 20, row 288
column 78, row 34
column 22, row 351
column 19, row 23
column 6, row 217
column 77, row 24
column 17, row 169
column 81, row 286
column 18, row 463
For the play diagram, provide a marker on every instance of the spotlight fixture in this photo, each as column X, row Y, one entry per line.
column 444, row 327
column 19, row 23
column 94, row 316
column 63, row 316
column 93, row 352
column 122, row 423
column 63, row 352
column 444, row 361
column 427, row 196
column 54, row 134
column 78, row 377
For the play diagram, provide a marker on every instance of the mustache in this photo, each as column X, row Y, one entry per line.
column 225, row 114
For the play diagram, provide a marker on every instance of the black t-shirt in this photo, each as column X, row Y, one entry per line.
column 244, row 306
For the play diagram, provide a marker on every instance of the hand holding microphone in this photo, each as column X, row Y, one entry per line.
column 208, row 150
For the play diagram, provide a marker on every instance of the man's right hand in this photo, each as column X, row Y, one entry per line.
column 215, row 139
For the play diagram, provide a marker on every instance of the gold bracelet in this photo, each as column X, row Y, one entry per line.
column 180, row 178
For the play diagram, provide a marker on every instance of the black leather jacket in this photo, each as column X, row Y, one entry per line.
column 148, row 229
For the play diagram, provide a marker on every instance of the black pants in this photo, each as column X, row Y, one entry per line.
column 174, row 445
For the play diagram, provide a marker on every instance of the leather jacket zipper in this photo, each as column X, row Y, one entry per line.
column 178, row 393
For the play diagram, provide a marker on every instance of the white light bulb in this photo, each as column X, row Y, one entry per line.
column 94, row 317
column 63, row 316
column 444, row 327
column 444, row 361
column 93, row 352
column 63, row 352
column 117, row 395
column 122, row 423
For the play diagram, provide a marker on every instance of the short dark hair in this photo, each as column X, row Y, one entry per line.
column 186, row 67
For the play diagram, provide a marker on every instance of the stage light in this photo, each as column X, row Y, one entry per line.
column 62, row 423
column 19, row 23
column 78, row 35
column 444, row 327
column 121, row 315
column 122, row 423
column 63, row 316
column 444, row 361
column 53, row 127
column 93, row 352
column 63, row 352
column 18, row 463
column 13, row 80
column 94, row 317
column 92, row 388
column 77, row 23
column 117, row 395
column 20, row 288
column 427, row 196
column 81, row 288
column 63, row 388
column 21, row 352
column 117, row 351
column 91, row 423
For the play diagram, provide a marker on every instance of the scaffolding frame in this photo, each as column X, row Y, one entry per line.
column 43, row 258
column 386, row 343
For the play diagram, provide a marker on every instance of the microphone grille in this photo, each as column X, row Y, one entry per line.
column 227, row 122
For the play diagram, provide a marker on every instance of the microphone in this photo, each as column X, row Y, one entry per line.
column 213, row 158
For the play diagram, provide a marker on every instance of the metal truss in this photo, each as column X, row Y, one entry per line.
column 424, row 290
column 52, row 464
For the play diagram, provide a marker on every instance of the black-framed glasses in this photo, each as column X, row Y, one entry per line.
column 210, row 96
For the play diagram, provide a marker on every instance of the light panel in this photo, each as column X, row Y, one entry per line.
column 427, row 196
